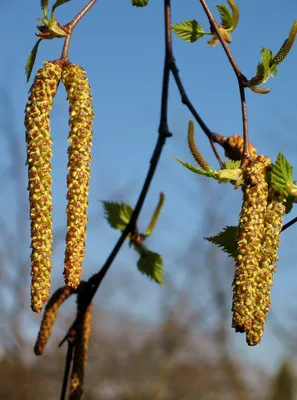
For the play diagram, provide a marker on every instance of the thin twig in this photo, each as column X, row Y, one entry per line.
column 288, row 224
column 71, row 25
column 164, row 133
column 240, row 78
column 67, row 369
column 186, row 101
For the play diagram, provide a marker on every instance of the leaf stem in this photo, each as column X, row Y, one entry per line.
column 240, row 78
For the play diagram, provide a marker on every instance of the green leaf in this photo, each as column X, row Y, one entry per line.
column 226, row 240
column 44, row 7
column 209, row 173
column 31, row 60
column 140, row 3
column 58, row 3
column 226, row 16
column 150, row 264
column 230, row 164
column 118, row 215
column 190, row 31
column 155, row 216
column 281, row 174
column 235, row 12
column 267, row 57
column 289, row 203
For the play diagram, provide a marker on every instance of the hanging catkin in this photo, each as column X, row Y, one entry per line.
column 81, row 341
column 273, row 222
column 39, row 152
column 247, row 304
column 49, row 318
column 79, row 158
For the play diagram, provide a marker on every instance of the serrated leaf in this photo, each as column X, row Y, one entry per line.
column 31, row 60
column 150, row 264
column 190, row 31
column 289, row 203
column 226, row 16
column 58, row 3
column 281, row 174
column 226, row 240
column 118, row 215
column 140, row 3
column 209, row 173
column 231, row 164
column 235, row 12
column 267, row 57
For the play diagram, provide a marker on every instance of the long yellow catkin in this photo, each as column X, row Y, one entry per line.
column 79, row 158
column 82, row 336
column 39, row 152
column 49, row 318
column 273, row 222
column 251, row 232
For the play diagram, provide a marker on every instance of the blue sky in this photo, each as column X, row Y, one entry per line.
column 122, row 49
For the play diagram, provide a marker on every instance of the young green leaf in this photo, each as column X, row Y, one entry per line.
column 235, row 13
column 281, row 174
column 31, row 60
column 150, row 264
column 118, row 215
column 209, row 173
column 155, row 216
column 58, row 3
column 140, row 3
column 226, row 16
column 44, row 7
column 226, row 240
column 289, row 203
column 230, row 164
column 190, row 31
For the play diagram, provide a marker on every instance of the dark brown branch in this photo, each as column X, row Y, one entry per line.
column 240, row 78
column 95, row 281
column 186, row 101
column 68, row 363
column 288, row 224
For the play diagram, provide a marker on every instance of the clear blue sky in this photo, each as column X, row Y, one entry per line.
column 122, row 49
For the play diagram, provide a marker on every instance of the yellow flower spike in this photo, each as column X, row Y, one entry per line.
column 82, row 336
column 79, row 158
column 49, row 318
column 248, row 276
column 39, row 152
column 271, row 240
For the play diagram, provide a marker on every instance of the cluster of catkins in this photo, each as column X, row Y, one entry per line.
column 258, row 240
column 39, row 153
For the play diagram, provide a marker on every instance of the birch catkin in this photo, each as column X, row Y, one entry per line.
column 82, row 336
column 273, row 222
column 79, row 158
column 248, row 276
column 39, row 152
column 49, row 318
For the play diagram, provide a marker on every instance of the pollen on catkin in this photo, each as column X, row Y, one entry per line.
column 234, row 148
column 82, row 336
column 49, row 318
column 79, row 158
column 273, row 222
column 39, row 153
column 251, row 228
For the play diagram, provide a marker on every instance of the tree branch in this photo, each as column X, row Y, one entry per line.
column 240, row 78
